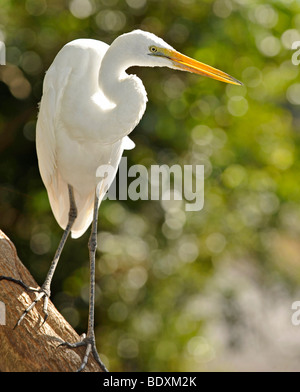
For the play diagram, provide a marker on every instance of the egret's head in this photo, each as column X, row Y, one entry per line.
column 146, row 49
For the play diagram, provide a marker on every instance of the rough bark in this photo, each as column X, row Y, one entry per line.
column 32, row 346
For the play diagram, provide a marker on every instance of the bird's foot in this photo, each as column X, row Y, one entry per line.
column 90, row 344
column 41, row 292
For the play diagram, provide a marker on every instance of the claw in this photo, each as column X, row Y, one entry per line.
column 90, row 346
column 30, row 307
column 19, row 282
column 72, row 345
column 40, row 294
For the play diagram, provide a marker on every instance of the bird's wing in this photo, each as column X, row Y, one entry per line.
column 46, row 144
column 45, row 136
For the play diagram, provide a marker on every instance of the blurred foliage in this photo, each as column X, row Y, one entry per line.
column 176, row 290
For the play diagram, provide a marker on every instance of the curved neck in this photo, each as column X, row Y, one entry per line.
column 125, row 91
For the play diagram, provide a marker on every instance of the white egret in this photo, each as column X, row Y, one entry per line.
column 89, row 106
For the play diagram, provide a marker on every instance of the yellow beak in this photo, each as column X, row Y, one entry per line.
column 186, row 63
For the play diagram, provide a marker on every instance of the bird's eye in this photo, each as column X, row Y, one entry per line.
column 153, row 49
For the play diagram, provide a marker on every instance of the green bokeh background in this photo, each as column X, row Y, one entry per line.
column 176, row 290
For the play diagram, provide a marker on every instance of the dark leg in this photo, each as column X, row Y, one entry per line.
column 89, row 340
column 44, row 291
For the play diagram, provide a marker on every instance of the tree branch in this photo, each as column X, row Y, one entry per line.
column 32, row 346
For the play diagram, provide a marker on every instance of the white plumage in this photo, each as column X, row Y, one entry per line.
column 89, row 106
column 73, row 131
